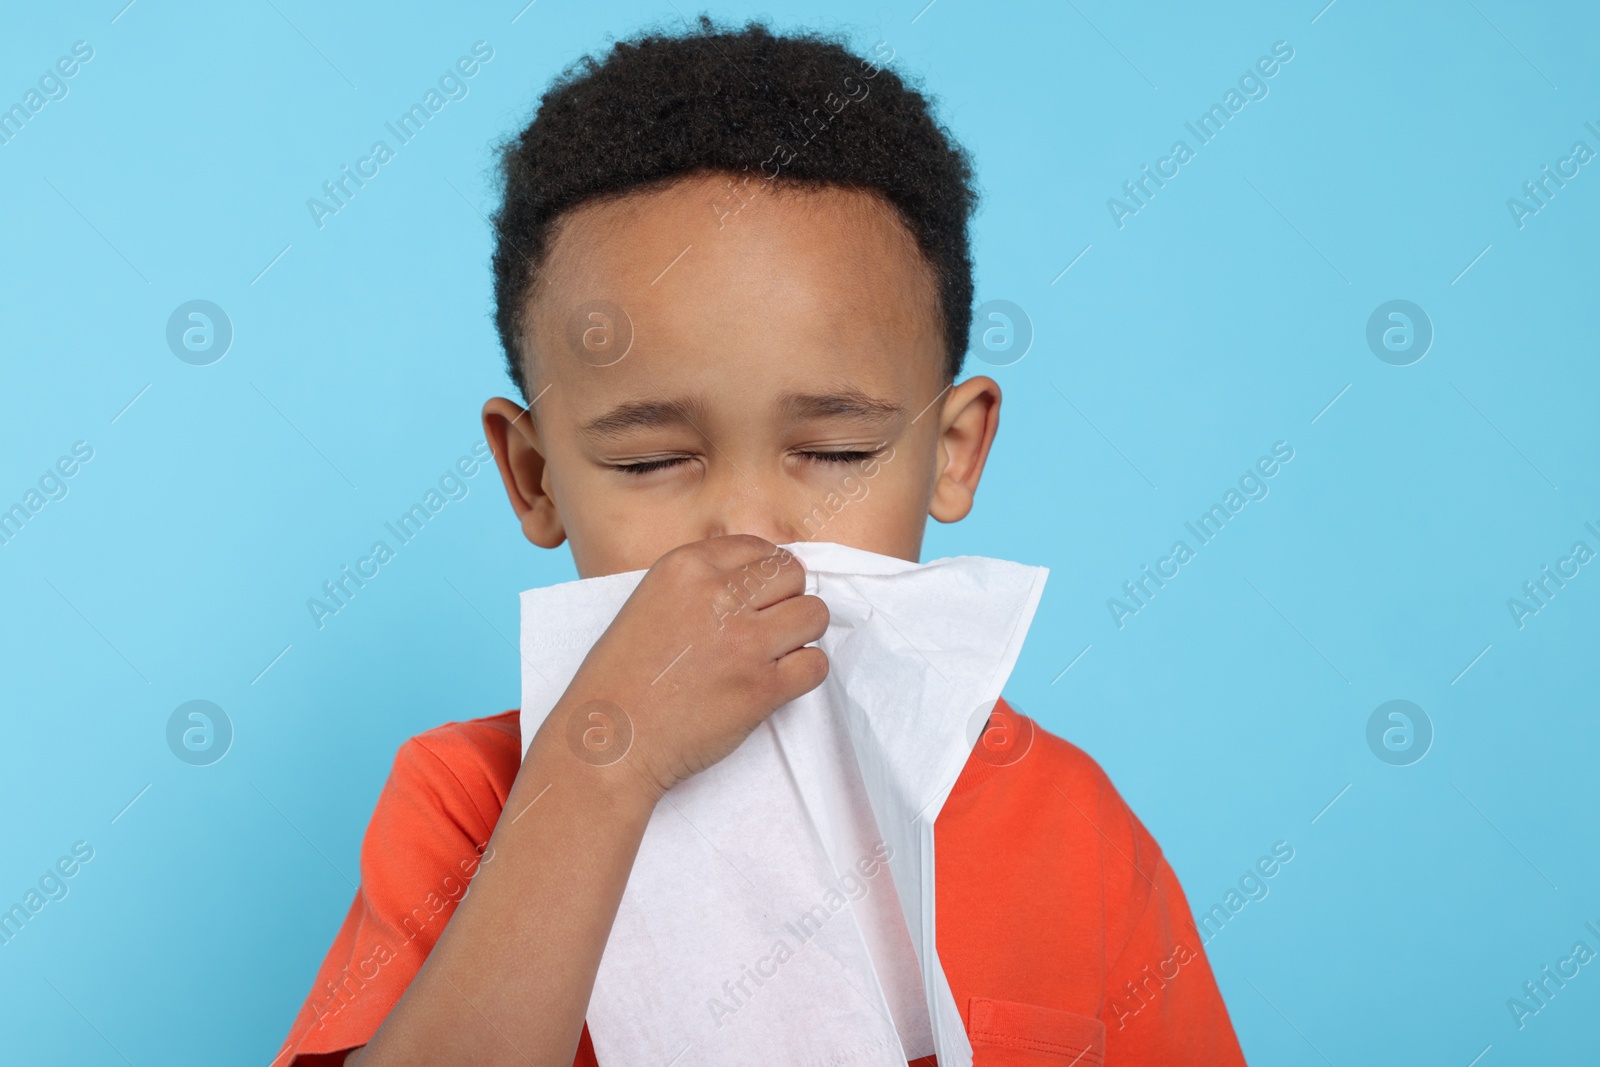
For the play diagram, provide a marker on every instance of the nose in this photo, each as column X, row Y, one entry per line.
column 739, row 503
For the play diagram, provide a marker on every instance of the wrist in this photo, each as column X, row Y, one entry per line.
column 587, row 751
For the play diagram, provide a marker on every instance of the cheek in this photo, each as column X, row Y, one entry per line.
column 611, row 529
column 884, row 512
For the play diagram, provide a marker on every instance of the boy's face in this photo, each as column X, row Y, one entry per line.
column 765, row 339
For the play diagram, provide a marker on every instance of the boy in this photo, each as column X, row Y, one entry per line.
column 732, row 272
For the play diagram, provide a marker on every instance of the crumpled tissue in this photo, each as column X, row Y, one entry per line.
column 781, row 906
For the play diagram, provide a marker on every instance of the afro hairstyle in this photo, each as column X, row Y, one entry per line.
column 799, row 108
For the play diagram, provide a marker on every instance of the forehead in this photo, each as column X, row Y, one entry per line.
column 735, row 286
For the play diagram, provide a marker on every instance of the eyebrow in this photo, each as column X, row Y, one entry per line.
column 845, row 404
column 677, row 411
column 645, row 415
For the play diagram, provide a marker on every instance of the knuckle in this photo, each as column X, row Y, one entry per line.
column 674, row 564
column 740, row 585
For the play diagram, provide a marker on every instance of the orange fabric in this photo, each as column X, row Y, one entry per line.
column 1063, row 932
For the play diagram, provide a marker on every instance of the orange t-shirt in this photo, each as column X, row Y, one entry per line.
column 1064, row 934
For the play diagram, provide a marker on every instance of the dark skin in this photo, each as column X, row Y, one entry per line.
column 784, row 382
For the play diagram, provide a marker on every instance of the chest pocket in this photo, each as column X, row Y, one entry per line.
column 1010, row 1033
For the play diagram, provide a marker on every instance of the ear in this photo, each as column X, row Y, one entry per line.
column 968, row 422
column 510, row 431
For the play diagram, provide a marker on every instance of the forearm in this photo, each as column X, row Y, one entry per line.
column 509, row 979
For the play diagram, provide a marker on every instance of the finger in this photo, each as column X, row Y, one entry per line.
column 791, row 624
column 758, row 574
column 799, row 672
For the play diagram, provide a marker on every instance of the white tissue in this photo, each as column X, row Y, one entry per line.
column 710, row 959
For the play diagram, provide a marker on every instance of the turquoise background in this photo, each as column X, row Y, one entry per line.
column 1228, row 314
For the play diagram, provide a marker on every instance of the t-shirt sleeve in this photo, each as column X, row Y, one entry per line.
column 1161, row 1002
column 425, row 841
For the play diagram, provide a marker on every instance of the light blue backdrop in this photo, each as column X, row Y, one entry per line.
column 1228, row 313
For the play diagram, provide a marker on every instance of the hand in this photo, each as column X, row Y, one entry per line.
column 712, row 641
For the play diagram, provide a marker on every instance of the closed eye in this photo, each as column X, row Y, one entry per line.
column 649, row 465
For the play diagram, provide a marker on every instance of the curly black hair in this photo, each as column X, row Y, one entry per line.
column 799, row 107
